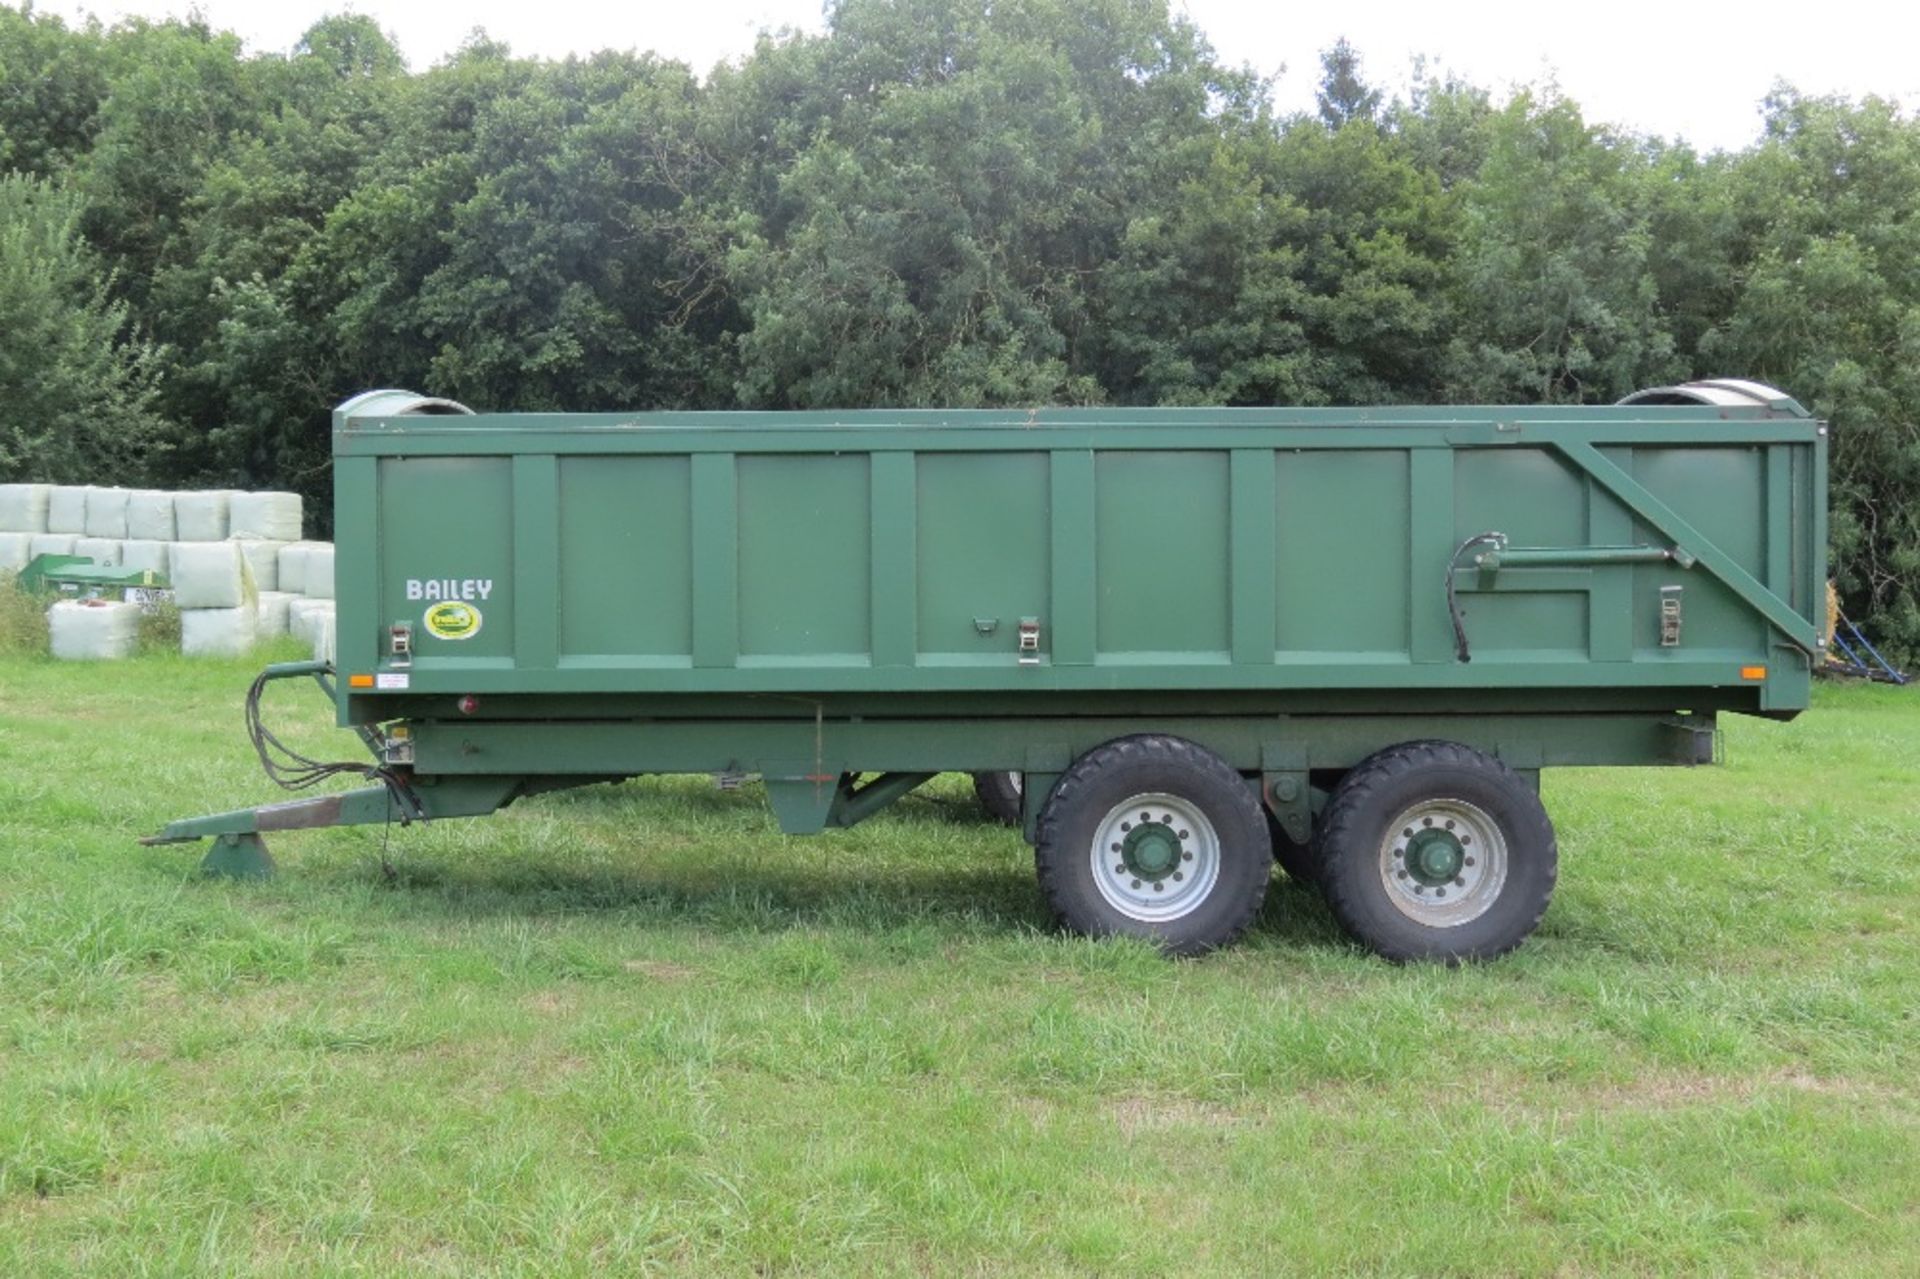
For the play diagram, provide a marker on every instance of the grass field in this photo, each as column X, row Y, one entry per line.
column 635, row 1029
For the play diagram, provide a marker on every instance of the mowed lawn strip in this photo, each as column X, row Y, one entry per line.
column 634, row 1028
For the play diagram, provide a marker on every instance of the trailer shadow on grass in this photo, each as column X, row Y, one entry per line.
column 769, row 898
column 679, row 855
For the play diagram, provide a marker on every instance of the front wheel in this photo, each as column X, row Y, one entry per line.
column 1434, row 851
column 1000, row 794
column 1154, row 837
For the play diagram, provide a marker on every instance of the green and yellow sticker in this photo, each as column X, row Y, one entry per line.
column 453, row 620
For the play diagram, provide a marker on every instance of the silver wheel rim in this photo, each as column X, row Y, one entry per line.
column 1155, row 857
column 1444, row 862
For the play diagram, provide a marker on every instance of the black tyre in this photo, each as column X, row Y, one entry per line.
column 1000, row 794
column 1300, row 861
column 1434, row 851
column 1154, row 837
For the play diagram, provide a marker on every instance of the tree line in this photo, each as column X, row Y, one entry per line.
column 933, row 202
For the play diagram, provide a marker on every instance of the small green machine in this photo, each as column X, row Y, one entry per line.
column 1200, row 639
column 78, row 577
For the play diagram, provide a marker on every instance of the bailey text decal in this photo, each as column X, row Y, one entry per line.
column 449, row 588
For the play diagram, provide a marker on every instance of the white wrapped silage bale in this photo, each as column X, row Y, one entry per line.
column 67, row 509
column 93, row 630
column 151, row 556
column 15, row 550
column 51, row 544
column 325, row 636
column 107, row 513
column 201, row 517
column 319, row 579
column 104, row 551
column 293, row 567
column 218, row 632
column 23, row 507
column 300, row 615
column 272, row 613
column 271, row 517
column 208, row 574
column 263, row 561
column 150, row 516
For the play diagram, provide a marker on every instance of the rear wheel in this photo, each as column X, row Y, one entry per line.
column 1000, row 794
column 1154, row 837
column 1434, row 851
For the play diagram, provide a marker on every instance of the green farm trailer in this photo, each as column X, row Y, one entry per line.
column 1195, row 638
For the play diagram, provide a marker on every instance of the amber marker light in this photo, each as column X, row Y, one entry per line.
column 1753, row 672
column 359, row 681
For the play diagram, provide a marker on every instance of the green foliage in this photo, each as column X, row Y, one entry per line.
column 1343, row 97
column 76, row 390
column 23, row 620
column 933, row 202
column 160, row 627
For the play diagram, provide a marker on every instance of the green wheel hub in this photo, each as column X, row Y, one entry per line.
column 1151, row 850
column 1435, row 856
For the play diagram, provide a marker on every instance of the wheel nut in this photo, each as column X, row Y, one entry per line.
column 1439, row 892
column 1186, row 834
column 1186, row 857
column 1159, row 887
column 1469, row 861
column 1136, row 883
column 1459, row 882
column 1178, row 876
column 1401, row 873
column 1121, row 869
column 1126, row 825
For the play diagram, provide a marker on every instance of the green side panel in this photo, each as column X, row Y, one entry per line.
column 1527, row 626
column 1338, row 510
column 1528, row 494
column 983, row 554
column 1161, row 559
column 805, row 560
column 1165, row 553
column 447, row 520
column 1723, row 492
column 625, row 558
column 1536, row 500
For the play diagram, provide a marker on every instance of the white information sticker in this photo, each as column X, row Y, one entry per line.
column 391, row 680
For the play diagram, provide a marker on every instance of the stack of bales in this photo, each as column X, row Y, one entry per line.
column 239, row 568
column 225, row 566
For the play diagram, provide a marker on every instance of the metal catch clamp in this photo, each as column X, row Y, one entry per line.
column 1029, row 641
column 1669, row 617
column 400, row 644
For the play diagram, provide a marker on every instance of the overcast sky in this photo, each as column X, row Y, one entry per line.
column 1695, row 70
